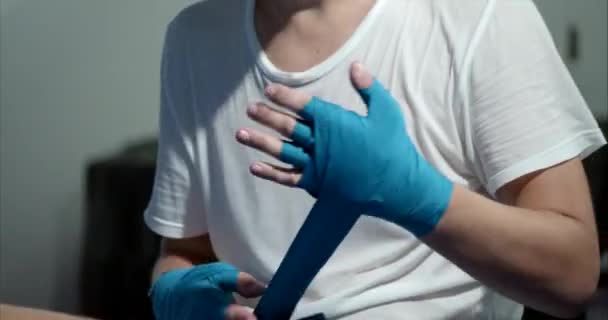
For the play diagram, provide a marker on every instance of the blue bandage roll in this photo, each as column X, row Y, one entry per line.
column 324, row 229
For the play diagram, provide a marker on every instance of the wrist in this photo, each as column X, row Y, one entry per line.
column 451, row 219
column 166, row 281
column 423, row 204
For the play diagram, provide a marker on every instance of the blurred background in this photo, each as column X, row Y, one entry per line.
column 79, row 88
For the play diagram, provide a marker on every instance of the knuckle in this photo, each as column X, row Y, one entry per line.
column 265, row 143
column 264, row 174
column 281, row 91
column 303, row 98
column 293, row 179
column 255, row 140
column 283, row 179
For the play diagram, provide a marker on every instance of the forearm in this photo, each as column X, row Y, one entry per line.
column 539, row 258
column 169, row 262
column 183, row 253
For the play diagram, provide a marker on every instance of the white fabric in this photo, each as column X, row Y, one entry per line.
column 484, row 93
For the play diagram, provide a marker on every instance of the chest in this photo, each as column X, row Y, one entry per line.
column 427, row 110
column 412, row 59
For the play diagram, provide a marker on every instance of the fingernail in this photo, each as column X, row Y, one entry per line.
column 243, row 135
column 357, row 68
column 256, row 168
column 252, row 109
column 270, row 90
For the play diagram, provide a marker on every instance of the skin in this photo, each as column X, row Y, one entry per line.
column 537, row 244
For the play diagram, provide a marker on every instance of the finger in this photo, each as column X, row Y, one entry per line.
column 260, row 141
column 302, row 136
column 292, row 99
column 284, row 124
column 236, row 312
column 284, row 176
column 248, row 287
column 274, row 147
column 278, row 121
column 294, row 155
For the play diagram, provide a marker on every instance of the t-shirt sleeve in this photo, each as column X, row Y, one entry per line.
column 525, row 112
column 176, row 207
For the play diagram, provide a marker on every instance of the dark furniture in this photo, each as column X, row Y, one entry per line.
column 120, row 250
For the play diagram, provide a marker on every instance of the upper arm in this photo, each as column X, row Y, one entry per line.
column 176, row 208
column 561, row 189
column 526, row 117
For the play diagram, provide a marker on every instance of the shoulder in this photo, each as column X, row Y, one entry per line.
column 475, row 8
column 208, row 17
column 469, row 24
column 470, row 16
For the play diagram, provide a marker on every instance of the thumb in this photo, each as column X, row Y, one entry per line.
column 375, row 95
column 248, row 287
column 362, row 80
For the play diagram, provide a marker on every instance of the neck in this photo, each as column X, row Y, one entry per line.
column 284, row 12
column 283, row 9
column 298, row 34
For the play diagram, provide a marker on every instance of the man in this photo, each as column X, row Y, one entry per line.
column 483, row 202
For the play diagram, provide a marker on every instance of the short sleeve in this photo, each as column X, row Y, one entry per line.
column 525, row 112
column 175, row 209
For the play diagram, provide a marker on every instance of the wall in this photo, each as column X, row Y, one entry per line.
column 78, row 79
column 590, row 17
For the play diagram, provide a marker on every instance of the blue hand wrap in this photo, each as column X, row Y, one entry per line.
column 302, row 136
column 201, row 292
column 356, row 165
column 294, row 155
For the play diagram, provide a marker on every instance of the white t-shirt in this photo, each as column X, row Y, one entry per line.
column 487, row 100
